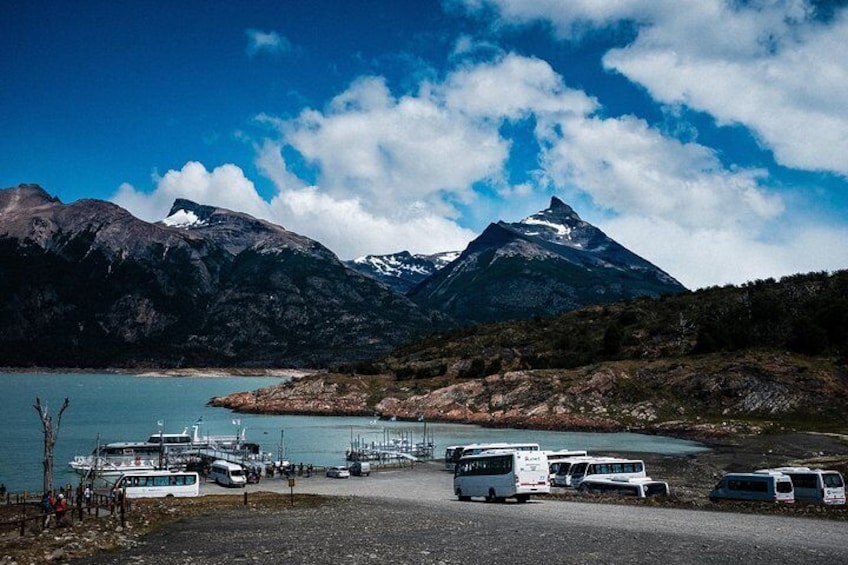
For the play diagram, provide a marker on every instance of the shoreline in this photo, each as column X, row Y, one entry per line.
column 209, row 372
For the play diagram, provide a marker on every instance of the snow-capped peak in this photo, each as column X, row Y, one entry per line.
column 183, row 219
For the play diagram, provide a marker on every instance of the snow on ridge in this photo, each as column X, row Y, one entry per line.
column 441, row 259
column 183, row 219
column 561, row 230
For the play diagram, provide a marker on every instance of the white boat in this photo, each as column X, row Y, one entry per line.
column 114, row 459
column 166, row 451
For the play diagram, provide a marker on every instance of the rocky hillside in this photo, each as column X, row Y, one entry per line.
column 761, row 357
column 707, row 397
column 549, row 263
column 87, row 284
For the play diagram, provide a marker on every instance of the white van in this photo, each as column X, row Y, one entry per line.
column 227, row 474
column 643, row 487
column 814, row 486
column 763, row 486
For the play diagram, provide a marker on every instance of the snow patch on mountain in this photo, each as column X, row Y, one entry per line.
column 558, row 229
column 183, row 219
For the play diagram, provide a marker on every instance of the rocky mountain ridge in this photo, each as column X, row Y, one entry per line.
column 87, row 284
column 549, row 263
column 402, row 271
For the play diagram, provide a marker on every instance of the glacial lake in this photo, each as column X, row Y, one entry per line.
column 119, row 407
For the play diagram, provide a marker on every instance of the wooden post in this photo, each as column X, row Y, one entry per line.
column 291, row 487
column 79, row 502
column 122, row 509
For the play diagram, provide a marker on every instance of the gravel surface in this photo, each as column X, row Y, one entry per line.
column 411, row 516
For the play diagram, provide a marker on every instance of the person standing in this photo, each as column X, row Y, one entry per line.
column 61, row 508
column 47, row 502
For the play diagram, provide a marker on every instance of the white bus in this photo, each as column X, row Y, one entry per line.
column 607, row 468
column 767, row 486
column 500, row 474
column 640, row 488
column 562, row 475
column 561, row 459
column 158, row 484
column 814, row 486
column 458, row 451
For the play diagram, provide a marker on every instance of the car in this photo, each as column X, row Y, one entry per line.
column 338, row 472
column 360, row 469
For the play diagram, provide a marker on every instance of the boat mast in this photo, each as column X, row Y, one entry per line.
column 161, row 444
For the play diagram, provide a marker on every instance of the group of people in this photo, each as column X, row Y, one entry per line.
column 289, row 470
column 54, row 505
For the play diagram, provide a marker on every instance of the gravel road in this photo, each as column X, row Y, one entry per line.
column 411, row 516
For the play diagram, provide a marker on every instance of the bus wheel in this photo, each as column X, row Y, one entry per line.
column 522, row 498
column 490, row 497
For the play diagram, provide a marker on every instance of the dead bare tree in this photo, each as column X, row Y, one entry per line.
column 50, row 435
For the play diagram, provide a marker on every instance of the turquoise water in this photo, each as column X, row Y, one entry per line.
column 128, row 408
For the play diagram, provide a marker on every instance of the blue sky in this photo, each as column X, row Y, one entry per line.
column 710, row 137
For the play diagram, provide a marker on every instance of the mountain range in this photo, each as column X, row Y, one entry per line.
column 87, row 284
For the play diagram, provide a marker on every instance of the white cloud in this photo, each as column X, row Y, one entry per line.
column 266, row 41
column 512, row 87
column 706, row 257
column 225, row 186
column 350, row 228
column 395, row 154
column 767, row 65
column 390, row 170
column 631, row 168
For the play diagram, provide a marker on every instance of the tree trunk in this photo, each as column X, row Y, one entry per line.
column 50, row 435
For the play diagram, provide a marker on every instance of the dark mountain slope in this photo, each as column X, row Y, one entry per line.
column 89, row 285
column 549, row 263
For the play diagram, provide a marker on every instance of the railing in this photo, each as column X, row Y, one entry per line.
column 29, row 515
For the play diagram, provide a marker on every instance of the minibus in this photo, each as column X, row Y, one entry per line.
column 501, row 474
column 767, row 486
column 814, row 486
column 227, row 474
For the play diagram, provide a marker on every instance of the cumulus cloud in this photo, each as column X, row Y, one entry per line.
column 705, row 256
column 394, row 171
column 346, row 225
column 630, row 168
column 225, row 186
column 266, row 42
column 771, row 66
column 396, row 154
column 512, row 87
